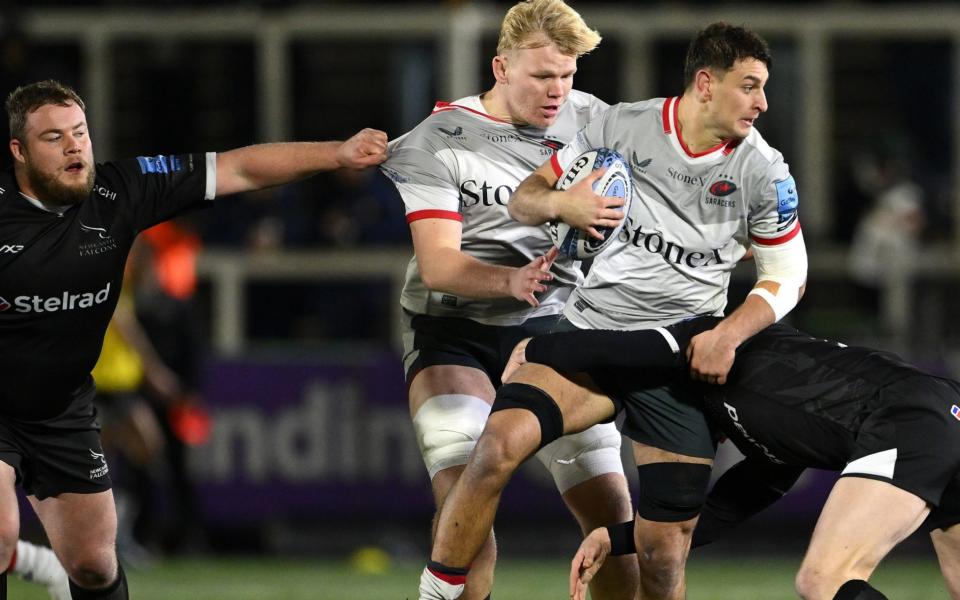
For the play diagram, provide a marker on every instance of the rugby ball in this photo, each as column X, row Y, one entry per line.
column 615, row 182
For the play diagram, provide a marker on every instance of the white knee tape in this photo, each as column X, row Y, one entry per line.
column 447, row 428
column 575, row 458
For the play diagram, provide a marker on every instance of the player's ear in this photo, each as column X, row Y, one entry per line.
column 703, row 83
column 18, row 150
column 500, row 69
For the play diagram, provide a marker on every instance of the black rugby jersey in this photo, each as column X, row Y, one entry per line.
column 799, row 400
column 60, row 276
column 789, row 398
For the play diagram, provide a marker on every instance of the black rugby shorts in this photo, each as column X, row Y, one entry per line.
column 58, row 455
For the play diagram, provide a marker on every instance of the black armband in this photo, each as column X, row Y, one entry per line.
column 621, row 539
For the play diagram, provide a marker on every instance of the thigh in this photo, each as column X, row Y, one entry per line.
column 580, row 401
column 79, row 525
column 947, row 544
column 862, row 520
column 9, row 508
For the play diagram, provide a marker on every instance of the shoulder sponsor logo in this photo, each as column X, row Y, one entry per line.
column 10, row 248
column 108, row 194
column 65, row 301
column 787, row 202
column 159, row 164
column 954, row 410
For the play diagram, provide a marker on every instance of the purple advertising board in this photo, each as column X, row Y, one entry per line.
column 328, row 437
column 331, row 437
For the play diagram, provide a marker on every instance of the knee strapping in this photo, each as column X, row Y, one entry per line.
column 528, row 397
column 672, row 492
column 447, row 429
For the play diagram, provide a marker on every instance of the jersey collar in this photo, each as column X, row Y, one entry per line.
column 671, row 128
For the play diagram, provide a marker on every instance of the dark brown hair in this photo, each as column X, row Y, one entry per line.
column 719, row 46
column 28, row 98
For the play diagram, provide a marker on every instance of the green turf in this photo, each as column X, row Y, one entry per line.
column 278, row 579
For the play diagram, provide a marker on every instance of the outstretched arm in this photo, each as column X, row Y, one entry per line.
column 264, row 165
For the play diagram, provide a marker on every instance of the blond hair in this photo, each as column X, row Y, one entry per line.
column 538, row 23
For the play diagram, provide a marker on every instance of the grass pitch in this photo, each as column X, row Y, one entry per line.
column 743, row 578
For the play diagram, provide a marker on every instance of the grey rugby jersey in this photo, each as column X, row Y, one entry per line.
column 462, row 164
column 692, row 218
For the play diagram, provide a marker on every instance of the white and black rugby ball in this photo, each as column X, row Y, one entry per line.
column 616, row 182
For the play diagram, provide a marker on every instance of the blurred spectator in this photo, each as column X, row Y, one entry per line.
column 886, row 240
column 166, row 309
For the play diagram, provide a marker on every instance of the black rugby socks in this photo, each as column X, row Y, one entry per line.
column 115, row 591
column 858, row 589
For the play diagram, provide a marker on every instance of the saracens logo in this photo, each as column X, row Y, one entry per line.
column 722, row 188
column 4, row 305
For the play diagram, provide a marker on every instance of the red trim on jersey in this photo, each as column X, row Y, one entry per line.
column 555, row 163
column 434, row 214
column 666, row 115
column 445, row 106
column 451, row 579
column 783, row 239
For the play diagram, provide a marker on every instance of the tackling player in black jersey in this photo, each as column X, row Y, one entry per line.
column 66, row 226
column 791, row 402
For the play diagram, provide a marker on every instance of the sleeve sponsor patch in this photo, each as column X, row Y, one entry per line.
column 787, row 197
column 159, row 164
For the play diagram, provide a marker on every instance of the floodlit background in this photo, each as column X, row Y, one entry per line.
column 290, row 332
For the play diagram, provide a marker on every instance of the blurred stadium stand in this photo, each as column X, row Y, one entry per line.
column 300, row 285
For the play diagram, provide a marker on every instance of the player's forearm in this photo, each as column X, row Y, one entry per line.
column 455, row 272
column 594, row 348
column 266, row 165
column 534, row 202
column 754, row 315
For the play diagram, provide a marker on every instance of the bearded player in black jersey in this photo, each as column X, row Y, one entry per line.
column 66, row 226
column 791, row 402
